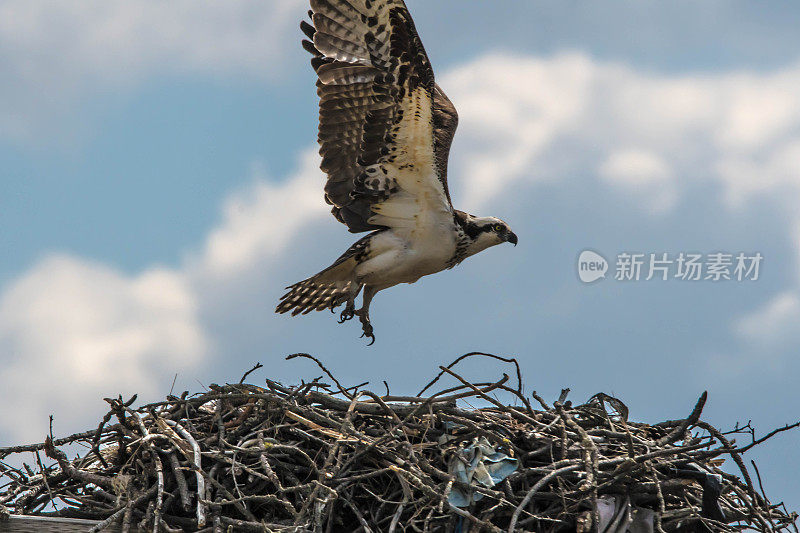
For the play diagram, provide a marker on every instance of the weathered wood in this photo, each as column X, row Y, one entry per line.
column 319, row 457
column 41, row 524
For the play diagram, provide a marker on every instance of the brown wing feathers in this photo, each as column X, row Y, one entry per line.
column 348, row 97
column 368, row 56
column 445, row 121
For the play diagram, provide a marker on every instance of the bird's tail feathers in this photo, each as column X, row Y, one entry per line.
column 326, row 290
column 330, row 288
column 308, row 295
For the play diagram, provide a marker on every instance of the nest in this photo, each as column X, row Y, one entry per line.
column 321, row 457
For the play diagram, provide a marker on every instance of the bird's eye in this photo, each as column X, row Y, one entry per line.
column 498, row 228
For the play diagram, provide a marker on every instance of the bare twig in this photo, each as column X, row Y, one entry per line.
column 324, row 457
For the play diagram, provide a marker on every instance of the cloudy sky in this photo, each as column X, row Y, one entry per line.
column 159, row 188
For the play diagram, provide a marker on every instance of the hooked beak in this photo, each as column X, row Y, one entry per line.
column 512, row 238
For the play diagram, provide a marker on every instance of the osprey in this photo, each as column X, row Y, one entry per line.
column 385, row 129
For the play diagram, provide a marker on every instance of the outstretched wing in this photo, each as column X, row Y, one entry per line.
column 385, row 126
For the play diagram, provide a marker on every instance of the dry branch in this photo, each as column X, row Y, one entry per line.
column 318, row 458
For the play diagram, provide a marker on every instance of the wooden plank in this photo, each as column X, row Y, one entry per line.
column 41, row 524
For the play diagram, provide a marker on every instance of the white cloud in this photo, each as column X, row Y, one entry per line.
column 261, row 220
column 73, row 331
column 770, row 324
column 511, row 110
column 641, row 172
column 760, row 109
column 56, row 54
column 530, row 120
column 766, row 333
column 748, row 174
column 650, row 137
column 89, row 331
column 634, row 167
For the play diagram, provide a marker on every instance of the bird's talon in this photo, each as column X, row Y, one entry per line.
column 346, row 315
column 368, row 332
column 369, row 335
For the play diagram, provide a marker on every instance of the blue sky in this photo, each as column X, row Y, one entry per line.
column 159, row 189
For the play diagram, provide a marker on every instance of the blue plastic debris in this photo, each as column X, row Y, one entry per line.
column 479, row 464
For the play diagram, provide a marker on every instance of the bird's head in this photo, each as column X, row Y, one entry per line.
column 485, row 232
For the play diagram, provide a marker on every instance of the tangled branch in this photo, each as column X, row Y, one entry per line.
column 318, row 457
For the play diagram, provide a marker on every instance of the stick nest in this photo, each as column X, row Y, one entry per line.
column 321, row 457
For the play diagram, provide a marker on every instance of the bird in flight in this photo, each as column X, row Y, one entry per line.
column 385, row 129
